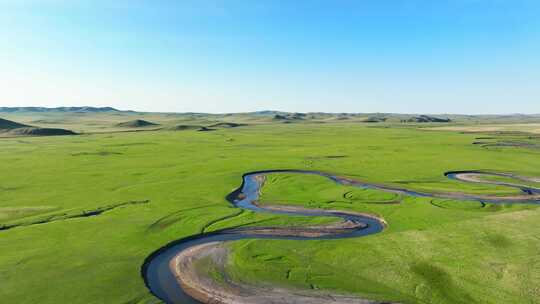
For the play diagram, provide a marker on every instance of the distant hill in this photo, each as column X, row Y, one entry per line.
column 227, row 125
column 426, row 118
column 137, row 123
column 290, row 116
column 33, row 131
column 58, row 109
column 265, row 112
column 206, row 129
column 11, row 128
column 107, row 117
column 8, row 124
column 374, row 119
column 185, row 127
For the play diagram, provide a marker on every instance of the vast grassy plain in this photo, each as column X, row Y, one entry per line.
column 81, row 213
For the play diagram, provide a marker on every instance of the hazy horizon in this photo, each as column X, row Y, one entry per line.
column 282, row 111
column 409, row 57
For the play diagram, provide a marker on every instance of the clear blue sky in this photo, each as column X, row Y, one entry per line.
column 408, row 56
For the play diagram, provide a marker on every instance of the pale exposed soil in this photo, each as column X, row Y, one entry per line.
column 308, row 231
column 529, row 128
column 204, row 289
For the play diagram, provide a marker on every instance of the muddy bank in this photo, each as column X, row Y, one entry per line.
column 477, row 177
column 308, row 231
column 529, row 193
column 206, row 290
column 295, row 209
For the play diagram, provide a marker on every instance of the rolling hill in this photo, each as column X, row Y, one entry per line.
column 11, row 128
column 137, row 123
column 9, row 125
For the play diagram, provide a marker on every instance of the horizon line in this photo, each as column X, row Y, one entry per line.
column 277, row 111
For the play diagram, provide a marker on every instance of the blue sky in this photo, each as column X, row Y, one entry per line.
column 408, row 56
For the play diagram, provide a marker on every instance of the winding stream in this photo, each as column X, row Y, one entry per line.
column 161, row 281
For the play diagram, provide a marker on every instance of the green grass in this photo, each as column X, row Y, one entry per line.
column 298, row 189
column 186, row 175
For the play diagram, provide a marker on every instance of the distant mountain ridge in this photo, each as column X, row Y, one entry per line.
column 83, row 109
column 280, row 114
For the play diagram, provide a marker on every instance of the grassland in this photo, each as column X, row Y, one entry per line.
column 428, row 254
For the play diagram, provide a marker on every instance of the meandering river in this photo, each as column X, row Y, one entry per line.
column 161, row 280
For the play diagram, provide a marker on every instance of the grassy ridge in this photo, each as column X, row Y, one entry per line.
column 185, row 176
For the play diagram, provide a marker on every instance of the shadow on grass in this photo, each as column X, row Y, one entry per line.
column 440, row 285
